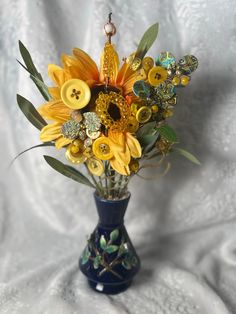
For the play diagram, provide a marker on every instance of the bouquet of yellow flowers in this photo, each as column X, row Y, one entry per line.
column 111, row 119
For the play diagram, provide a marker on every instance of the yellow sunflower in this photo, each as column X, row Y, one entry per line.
column 78, row 69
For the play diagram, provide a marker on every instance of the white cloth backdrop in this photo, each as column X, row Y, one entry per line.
column 183, row 225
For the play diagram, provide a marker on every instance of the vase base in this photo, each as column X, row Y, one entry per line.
column 109, row 288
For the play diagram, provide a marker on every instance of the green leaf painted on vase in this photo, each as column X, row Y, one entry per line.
column 126, row 264
column 103, row 242
column 97, row 261
column 168, row 133
column 123, row 249
column 85, row 256
column 68, row 171
column 30, row 112
column 147, row 40
column 114, row 235
column 111, row 248
column 187, row 155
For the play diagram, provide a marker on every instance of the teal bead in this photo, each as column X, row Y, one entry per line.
column 142, row 89
column 166, row 59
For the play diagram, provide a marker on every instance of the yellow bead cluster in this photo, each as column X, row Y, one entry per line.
column 108, row 68
column 104, row 104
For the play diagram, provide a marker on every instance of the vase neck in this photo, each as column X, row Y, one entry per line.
column 111, row 212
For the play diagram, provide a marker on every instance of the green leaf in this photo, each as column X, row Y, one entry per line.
column 114, row 234
column 111, row 248
column 28, row 61
column 168, row 133
column 85, row 256
column 148, row 142
column 68, row 171
column 146, row 129
column 30, row 112
column 147, row 40
column 103, row 242
column 187, row 155
column 36, row 146
column 41, row 87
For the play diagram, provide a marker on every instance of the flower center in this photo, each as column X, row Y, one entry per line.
column 104, row 149
column 114, row 111
column 75, row 93
column 157, row 76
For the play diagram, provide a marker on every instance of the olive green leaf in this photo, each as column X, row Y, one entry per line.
column 114, row 235
column 146, row 129
column 187, row 155
column 30, row 112
column 68, row 171
column 28, row 149
column 97, row 261
column 34, row 74
column 41, row 87
column 85, row 256
column 148, row 142
column 28, row 61
column 147, row 40
column 168, row 133
column 111, row 249
column 103, row 242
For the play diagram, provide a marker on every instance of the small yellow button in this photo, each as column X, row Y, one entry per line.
column 144, row 114
column 133, row 125
column 185, row 80
column 93, row 134
column 95, row 166
column 75, row 94
column 155, row 108
column 73, row 157
column 157, row 75
column 176, row 80
column 147, row 63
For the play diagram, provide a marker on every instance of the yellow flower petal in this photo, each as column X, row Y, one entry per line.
column 57, row 74
column 124, row 170
column 50, row 132
column 134, row 146
column 62, row 141
column 54, row 92
column 87, row 62
column 55, row 110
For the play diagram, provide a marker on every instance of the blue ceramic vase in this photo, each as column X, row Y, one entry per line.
column 109, row 260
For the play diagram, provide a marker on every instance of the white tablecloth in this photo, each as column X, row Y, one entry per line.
column 183, row 225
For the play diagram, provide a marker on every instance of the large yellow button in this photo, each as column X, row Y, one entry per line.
column 157, row 75
column 75, row 94
column 144, row 114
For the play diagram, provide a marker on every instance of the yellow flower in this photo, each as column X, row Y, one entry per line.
column 79, row 66
column 124, row 146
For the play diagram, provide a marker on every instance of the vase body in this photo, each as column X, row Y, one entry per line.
column 109, row 260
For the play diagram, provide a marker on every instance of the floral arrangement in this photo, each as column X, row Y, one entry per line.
column 111, row 120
